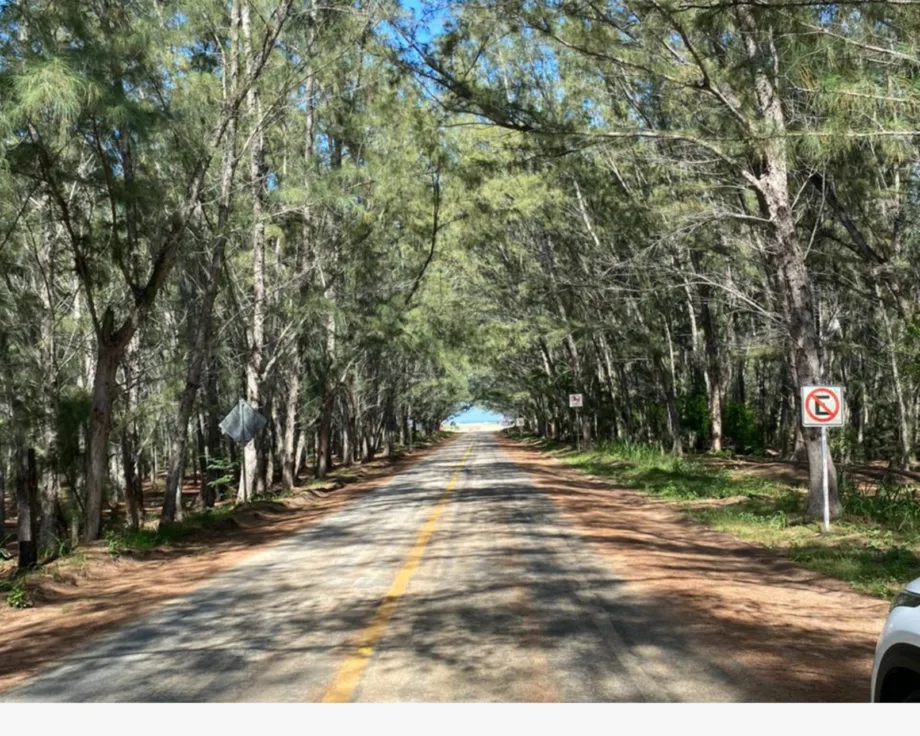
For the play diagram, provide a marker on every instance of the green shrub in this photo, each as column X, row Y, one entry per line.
column 227, row 477
column 896, row 505
column 17, row 595
column 694, row 415
column 740, row 425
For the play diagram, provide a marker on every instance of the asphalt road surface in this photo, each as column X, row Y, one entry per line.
column 456, row 581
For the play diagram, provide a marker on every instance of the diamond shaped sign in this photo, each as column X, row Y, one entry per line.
column 243, row 423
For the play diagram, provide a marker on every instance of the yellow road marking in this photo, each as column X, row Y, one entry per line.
column 348, row 675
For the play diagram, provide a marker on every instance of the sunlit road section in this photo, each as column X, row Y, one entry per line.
column 457, row 581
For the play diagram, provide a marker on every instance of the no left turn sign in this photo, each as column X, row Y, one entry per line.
column 822, row 406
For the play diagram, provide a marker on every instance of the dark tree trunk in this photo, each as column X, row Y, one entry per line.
column 127, row 459
column 713, row 364
column 26, row 498
column 288, row 445
column 48, row 527
column 324, row 438
column 202, row 458
column 2, row 499
column 100, row 422
column 215, row 450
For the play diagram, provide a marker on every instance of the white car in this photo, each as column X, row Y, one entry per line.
column 896, row 669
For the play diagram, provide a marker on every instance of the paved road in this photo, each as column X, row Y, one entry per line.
column 457, row 581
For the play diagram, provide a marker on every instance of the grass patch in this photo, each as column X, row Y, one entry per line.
column 663, row 474
column 875, row 546
column 146, row 540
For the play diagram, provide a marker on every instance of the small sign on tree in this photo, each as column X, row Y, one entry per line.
column 243, row 423
column 576, row 401
column 822, row 406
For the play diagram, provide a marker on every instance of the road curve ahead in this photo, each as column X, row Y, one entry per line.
column 457, row 581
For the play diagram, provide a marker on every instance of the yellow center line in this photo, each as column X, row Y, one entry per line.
column 349, row 673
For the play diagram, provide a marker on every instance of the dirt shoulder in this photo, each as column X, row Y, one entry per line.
column 800, row 635
column 89, row 593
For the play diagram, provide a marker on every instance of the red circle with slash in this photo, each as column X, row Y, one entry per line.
column 831, row 413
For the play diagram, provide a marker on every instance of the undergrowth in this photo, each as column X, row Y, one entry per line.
column 874, row 546
column 146, row 539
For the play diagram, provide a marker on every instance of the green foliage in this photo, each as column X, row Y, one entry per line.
column 660, row 473
column 881, row 572
column 16, row 592
column 694, row 414
column 71, row 419
column 144, row 541
column 228, row 470
column 894, row 505
column 740, row 426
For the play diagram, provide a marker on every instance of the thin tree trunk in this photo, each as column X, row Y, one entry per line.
column 324, row 437
column 713, row 364
column 257, row 185
column 127, row 460
column 202, row 461
column 2, row 500
column 215, row 448
column 292, row 404
column 903, row 454
column 26, row 493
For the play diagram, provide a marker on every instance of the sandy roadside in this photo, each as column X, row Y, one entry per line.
column 802, row 636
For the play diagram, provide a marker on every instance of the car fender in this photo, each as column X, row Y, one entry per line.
column 899, row 646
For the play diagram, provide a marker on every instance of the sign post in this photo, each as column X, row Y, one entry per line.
column 576, row 401
column 822, row 406
column 242, row 424
column 520, row 425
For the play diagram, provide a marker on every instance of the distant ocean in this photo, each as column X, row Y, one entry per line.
column 476, row 415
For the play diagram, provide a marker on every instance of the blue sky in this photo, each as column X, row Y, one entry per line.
column 475, row 415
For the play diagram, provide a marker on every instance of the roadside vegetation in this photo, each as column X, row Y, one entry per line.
column 874, row 545
column 220, row 522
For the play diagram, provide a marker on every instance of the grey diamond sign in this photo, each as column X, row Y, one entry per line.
column 243, row 423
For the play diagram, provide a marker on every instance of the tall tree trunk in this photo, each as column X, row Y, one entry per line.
column 713, row 364
column 172, row 500
column 127, row 459
column 292, row 404
column 50, row 488
column 213, row 435
column 903, row 454
column 108, row 357
column 772, row 187
column 257, row 184
column 134, row 494
column 350, row 408
column 26, row 493
column 324, row 437
column 300, row 453
column 2, row 500
column 202, row 461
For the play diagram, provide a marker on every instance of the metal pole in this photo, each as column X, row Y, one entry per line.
column 243, row 470
column 824, row 490
column 577, row 429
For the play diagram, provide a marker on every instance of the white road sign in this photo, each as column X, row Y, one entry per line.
column 520, row 422
column 822, row 406
column 243, row 423
column 576, row 401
